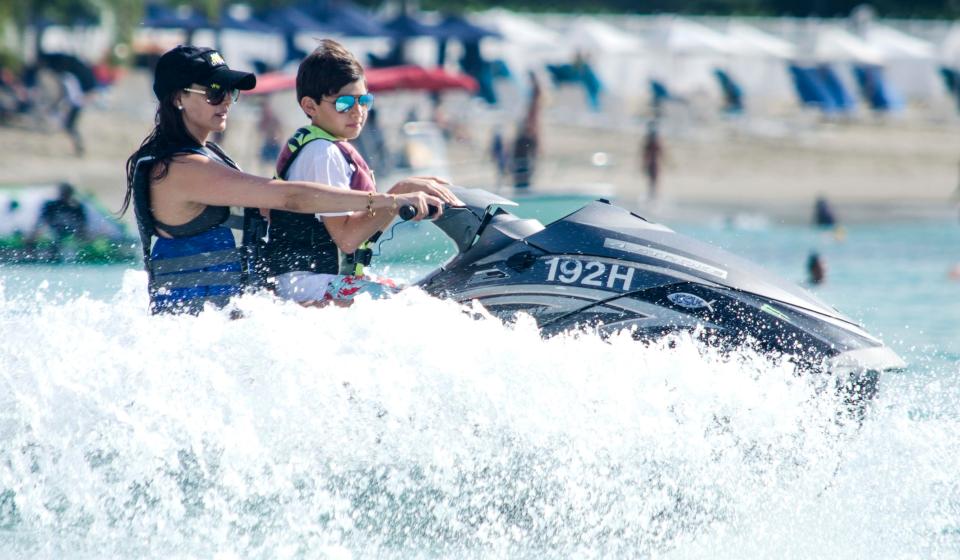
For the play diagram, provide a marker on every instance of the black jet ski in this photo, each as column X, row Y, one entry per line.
column 606, row 269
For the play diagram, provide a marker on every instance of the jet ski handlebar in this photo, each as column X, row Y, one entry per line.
column 408, row 212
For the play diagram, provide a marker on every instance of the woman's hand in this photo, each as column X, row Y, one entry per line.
column 429, row 185
column 421, row 201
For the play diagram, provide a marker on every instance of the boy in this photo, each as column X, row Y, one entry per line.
column 303, row 251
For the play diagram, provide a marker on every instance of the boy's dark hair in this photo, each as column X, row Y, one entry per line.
column 327, row 69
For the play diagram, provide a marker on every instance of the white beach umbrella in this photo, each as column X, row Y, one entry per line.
column 751, row 41
column 760, row 65
column 689, row 53
column 896, row 44
column 837, row 45
column 593, row 35
column 682, row 36
column 950, row 48
column 520, row 30
column 910, row 62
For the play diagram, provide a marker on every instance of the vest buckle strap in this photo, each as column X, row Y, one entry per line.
column 360, row 256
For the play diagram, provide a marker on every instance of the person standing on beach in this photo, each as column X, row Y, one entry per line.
column 319, row 259
column 75, row 100
column 182, row 186
column 651, row 156
column 269, row 126
column 526, row 146
column 498, row 153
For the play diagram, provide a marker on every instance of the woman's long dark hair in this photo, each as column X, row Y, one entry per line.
column 169, row 132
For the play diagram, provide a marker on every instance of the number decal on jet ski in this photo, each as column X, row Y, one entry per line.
column 589, row 273
column 591, row 278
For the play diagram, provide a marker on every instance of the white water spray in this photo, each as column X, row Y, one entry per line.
column 409, row 428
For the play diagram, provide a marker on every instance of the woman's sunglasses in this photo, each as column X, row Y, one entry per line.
column 216, row 96
column 344, row 103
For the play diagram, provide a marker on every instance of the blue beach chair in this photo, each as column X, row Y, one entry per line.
column 845, row 102
column 732, row 93
column 876, row 89
column 811, row 89
column 951, row 79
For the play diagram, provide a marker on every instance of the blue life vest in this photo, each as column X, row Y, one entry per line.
column 201, row 262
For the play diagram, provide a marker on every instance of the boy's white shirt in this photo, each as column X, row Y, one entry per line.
column 321, row 161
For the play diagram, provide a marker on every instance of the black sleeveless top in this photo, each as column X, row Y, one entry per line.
column 210, row 217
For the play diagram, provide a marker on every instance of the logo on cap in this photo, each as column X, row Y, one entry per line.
column 216, row 59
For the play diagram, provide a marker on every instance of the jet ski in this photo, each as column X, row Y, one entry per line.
column 606, row 269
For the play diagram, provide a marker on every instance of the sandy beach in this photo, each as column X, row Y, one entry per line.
column 869, row 168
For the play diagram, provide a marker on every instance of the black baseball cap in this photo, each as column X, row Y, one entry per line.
column 184, row 65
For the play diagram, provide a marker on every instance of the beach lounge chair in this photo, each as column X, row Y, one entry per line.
column 845, row 102
column 876, row 89
column 951, row 79
column 582, row 74
column 811, row 89
column 732, row 93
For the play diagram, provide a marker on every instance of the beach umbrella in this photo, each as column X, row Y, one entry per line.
column 688, row 55
column 417, row 78
column 405, row 26
column 344, row 18
column 519, row 30
column 909, row 62
column 183, row 17
column 236, row 17
column 759, row 66
column 457, row 27
column 835, row 44
column 239, row 18
column 295, row 20
column 896, row 44
column 748, row 40
column 684, row 37
column 592, row 35
column 950, row 46
column 394, row 78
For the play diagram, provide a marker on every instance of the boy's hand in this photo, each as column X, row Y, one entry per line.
column 433, row 186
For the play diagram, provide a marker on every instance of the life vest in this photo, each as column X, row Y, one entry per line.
column 201, row 262
column 300, row 242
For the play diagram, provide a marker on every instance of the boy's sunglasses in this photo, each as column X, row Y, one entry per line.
column 344, row 103
column 216, row 97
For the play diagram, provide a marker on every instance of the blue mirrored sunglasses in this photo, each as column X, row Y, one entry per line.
column 344, row 103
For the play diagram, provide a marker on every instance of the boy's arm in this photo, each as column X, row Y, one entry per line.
column 325, row 163
column 349, row 232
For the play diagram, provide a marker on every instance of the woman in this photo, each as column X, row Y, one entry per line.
column 181, row 186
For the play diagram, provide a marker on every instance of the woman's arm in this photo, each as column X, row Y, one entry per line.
column 349, row 232
column 197, row 180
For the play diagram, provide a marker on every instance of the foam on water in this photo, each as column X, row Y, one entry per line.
column 410, row 428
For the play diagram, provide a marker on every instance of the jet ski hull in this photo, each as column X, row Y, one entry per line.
column 607, row 270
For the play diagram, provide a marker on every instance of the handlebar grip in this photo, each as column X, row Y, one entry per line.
column 409, row 212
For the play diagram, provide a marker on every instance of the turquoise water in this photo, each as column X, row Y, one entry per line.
column 408, row 429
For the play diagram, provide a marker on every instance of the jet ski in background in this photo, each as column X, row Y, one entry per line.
column 606, row 269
